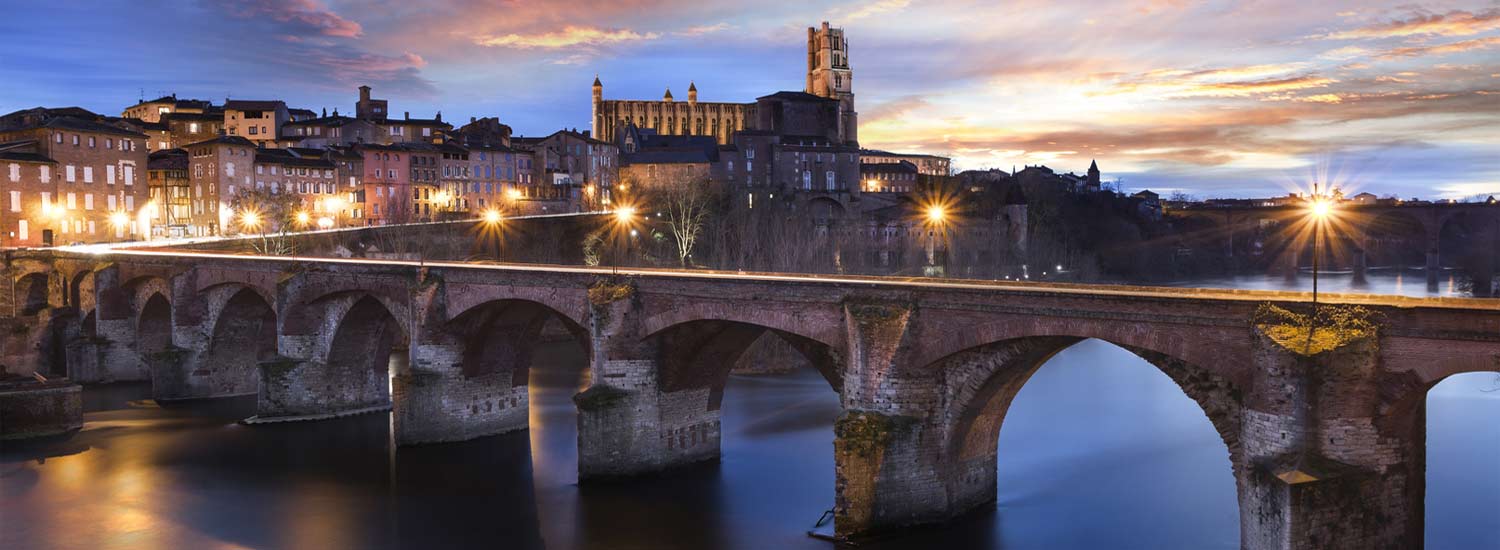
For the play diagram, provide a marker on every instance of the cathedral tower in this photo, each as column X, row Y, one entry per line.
column 595, row 120
column 828, row 75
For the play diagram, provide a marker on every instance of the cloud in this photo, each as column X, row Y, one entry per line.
column 1453, row 23
column 893, row 109
column 308, row 14
column 570, row 36
column 1218, row 82
column 701, row 30
column 1443, row 49
column 875, row 8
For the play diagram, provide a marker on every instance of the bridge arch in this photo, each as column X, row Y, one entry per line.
column 154, row 325
column 365, row 349
column 242, row 334
column 499, row 336
column 33, row 293
column 699, row 353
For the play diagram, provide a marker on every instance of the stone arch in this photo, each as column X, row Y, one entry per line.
column 1470, row 242
column 1392, row 237
column 154, row 325
column 33, row 293
column 499, row 336
column 360, row 352
column 81, row 291
column 980, row 384
column 824, row 209
column 699, row 354
column 242, row 335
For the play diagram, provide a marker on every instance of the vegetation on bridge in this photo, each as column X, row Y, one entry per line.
column 1329, row 327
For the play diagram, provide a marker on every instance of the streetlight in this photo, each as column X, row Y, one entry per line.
column 492, row 217
column 119, row 220
column 1318, row 211
column 624, row 215
column 937, row 220
column 325, row 222
column 303, row 218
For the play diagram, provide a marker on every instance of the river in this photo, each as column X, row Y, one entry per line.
column 1099, row 450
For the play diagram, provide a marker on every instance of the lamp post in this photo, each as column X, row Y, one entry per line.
column 1318, row 211
column 937, row 222
column 624, row 215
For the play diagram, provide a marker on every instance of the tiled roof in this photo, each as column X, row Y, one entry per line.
column 253, row 105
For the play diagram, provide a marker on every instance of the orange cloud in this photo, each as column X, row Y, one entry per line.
column 1453, row 23
column 875, row 8
column 570, row 36
column 308, row 13
column 1443, row 49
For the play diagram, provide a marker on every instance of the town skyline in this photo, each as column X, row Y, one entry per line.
column 1392, row 99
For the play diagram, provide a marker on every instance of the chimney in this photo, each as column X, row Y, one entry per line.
column 364, row 93
column 439, row 116
column 471, row 120
column 406, row 114
column 325, row 112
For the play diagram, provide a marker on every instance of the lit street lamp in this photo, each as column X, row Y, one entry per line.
column 119, row 220
column 624, row 216
column 1318, row 212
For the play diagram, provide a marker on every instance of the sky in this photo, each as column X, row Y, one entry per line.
column 1208, row 98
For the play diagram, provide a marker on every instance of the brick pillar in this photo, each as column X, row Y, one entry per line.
column 1433, row 266
column 1360, row 266
column 1324, row 467
column 434, row 401
column 890, row 465
column 114, row 327
column 627, row 423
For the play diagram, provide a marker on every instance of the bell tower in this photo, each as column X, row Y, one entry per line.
column 828, row 75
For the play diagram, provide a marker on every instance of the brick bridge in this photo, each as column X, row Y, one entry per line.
column 1327, row 451
column 1359, row 226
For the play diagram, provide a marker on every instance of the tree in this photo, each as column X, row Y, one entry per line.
column 259, row 210
column 686, row 202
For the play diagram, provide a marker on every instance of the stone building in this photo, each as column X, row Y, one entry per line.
column 829, row 76
column 306, row 173
column 158, row 109
column 217, row 170
column 564, row 165
column 70, row 175
column 927, row 165
column 886, row 177
column 332, row 130
column 387, row 184
column 669, row 117
column 257, row 121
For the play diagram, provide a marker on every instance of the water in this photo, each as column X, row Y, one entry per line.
column 1394, row 281
column 1099, row 450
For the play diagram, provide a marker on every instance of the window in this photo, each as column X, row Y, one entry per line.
column 109, row 143
column 15, row 172
column 129, row 175
column 193, row 127
column 253, row 130
column 57, row 138
column 75, row 140
column 88, row 201
column 23, row 230
column 88, row 174
column 110, row 202
column 72, row 201
column 130, row 203
column 91, row 142
column 71, row 174
column 15, row 200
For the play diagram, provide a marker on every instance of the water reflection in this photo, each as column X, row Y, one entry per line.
column 1098, row 450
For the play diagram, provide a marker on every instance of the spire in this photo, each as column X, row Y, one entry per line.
column 667, row 96
column 1093, row 166
column 596, row 81
column 692, row 87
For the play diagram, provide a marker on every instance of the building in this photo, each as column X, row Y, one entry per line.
column 70, row 175
column 486, row 131
column 829, row 76
column 668, row 116
column 387, row 184
column 563, row 166
column 886, row 177
column 192, row 127
column 332, row 130
column 927, row 165
column 218, row 169
column 158, row 109
column 308, row 174
column 257, row 121
column 171, row 195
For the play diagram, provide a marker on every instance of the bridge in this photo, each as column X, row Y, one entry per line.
column 1358, row 229
column 1327, row 450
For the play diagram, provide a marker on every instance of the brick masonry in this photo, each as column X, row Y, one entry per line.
column 1327, row 450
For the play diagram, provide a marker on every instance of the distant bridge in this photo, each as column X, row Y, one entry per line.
column 1357, row 225
column 1327, row 451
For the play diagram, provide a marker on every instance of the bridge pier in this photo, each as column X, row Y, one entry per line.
column 628, row 422
column 1360, row 265
column 1434, row 267
column 435, row 402
column 1324, row 467
column 115, row 339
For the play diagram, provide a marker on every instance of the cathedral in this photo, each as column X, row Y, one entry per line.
column 828, row 76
